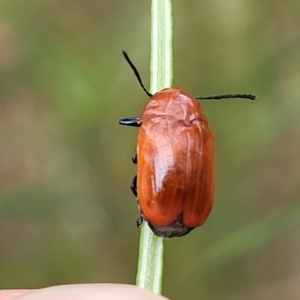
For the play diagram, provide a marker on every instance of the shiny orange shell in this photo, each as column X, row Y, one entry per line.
column 175, row 169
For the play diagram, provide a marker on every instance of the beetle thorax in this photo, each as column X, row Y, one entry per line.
column 174, row 103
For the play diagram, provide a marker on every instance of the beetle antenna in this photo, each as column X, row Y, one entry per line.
column 228, row 96
column 136, row 73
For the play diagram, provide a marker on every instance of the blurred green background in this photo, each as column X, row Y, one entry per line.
column 66, row 212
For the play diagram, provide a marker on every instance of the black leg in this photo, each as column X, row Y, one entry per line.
column 134, row 157
column 139, row 221
column 133, row 186
column 134, row 121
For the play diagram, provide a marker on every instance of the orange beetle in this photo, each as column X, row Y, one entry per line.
column 175, row 179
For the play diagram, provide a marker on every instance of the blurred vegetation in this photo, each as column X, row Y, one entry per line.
column 66, row 212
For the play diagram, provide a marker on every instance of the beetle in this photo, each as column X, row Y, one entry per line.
column 175, row 180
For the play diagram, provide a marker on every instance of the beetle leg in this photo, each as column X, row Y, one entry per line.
column 133, row 121
column 134, row 157
column 133, row 186
column 139, row 221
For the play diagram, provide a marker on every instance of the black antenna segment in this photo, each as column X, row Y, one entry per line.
column 228, row 96
column 136, row 73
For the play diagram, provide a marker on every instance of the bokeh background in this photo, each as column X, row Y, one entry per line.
column 66, row 212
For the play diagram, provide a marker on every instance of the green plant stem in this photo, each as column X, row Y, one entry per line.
column 161, row 67
column 150, row 261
